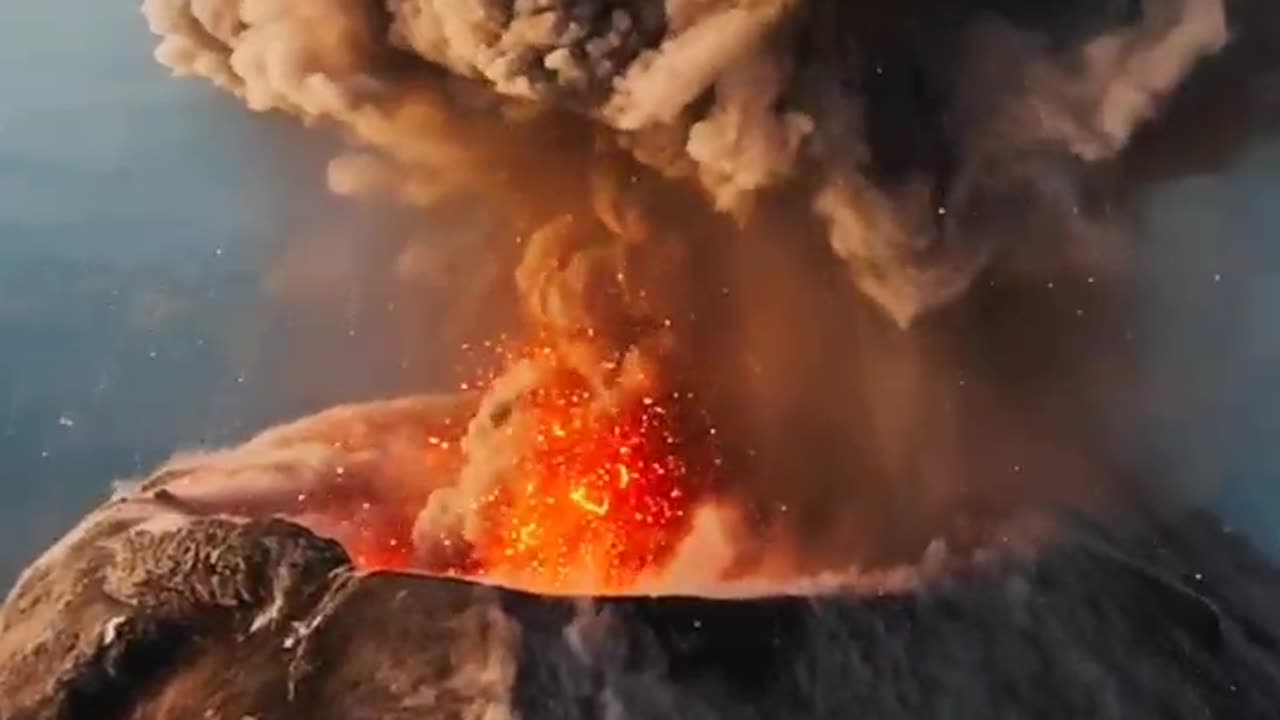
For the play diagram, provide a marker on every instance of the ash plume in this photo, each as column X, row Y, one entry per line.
column 777, row 211
column 750, row 95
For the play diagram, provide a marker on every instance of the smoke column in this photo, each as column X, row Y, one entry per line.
column 842, row 276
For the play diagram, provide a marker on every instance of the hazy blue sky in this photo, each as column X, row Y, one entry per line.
column 145, row 222
column 1212, row 274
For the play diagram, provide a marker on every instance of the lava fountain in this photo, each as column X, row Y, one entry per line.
column 601, row 498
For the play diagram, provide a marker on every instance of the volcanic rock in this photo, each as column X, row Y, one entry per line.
column 147, row 612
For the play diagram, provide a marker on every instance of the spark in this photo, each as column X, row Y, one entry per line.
column 579, row 496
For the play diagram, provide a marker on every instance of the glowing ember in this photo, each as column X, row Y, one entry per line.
column 601, row 498
column 381, row 551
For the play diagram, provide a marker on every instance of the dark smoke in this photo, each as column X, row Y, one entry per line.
column 883, row 243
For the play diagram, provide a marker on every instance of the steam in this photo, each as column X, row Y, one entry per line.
column 707, row 193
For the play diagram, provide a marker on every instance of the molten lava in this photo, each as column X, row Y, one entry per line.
column 602, row 498
column 601, row 494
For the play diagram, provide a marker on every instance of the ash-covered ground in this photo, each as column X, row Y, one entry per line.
column 147, row 611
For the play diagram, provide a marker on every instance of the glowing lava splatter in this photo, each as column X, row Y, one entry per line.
column 602, row 497
column 381, row 545
column 601, row 489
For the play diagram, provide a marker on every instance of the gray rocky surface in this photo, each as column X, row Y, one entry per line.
column 147, row 612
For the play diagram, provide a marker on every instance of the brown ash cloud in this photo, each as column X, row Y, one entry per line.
column 832, row 222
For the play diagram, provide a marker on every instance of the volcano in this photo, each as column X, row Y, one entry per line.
column 148, row 612
column 848, row 278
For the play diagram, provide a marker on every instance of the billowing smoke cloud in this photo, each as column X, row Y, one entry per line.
column 357, row 473
column 749, row 95
column 707, row 193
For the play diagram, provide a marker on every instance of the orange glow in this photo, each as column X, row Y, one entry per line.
column 601, row 498
column 380, row 547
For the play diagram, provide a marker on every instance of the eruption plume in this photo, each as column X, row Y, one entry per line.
column 705, row 195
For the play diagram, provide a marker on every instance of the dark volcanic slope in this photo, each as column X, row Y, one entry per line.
column 148, row 613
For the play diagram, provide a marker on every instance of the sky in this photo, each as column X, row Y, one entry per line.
column 174, row 274
column 1210, row 273
column 172, row 271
